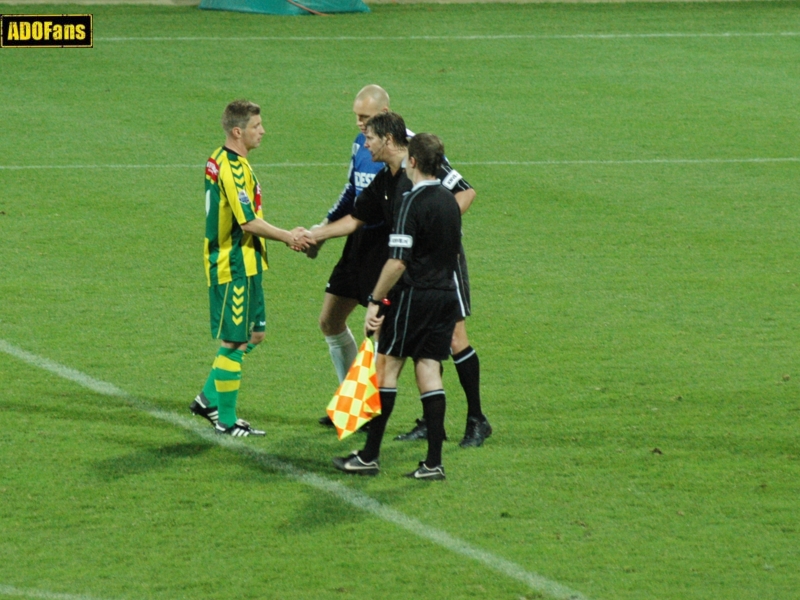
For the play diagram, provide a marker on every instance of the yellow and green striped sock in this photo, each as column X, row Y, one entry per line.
column 209, row 389
column 227, row 377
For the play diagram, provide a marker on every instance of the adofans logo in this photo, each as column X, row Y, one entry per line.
column 46, row 31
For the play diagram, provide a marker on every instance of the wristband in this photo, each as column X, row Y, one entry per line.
column 382, row 302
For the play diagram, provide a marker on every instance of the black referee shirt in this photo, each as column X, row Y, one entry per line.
column 375, row 204
column 427, row 236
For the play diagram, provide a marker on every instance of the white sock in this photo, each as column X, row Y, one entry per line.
column 343, row 352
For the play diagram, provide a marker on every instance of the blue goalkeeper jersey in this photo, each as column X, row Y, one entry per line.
column 362, row 172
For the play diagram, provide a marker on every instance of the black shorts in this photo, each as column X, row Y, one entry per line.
column 357, row 272
column 419, row 323
column 462, row 286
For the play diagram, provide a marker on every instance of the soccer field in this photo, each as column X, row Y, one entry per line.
column 634, row 261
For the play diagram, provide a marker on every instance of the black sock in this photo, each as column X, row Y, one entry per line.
column 372, row 448
column 433, row 405
column 468, row 368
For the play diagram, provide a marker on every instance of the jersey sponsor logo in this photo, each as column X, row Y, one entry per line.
column 212, row 170
column 400, row 241
column 363, row 179
column 243, row 197
column 453, row 177
column 257, row 199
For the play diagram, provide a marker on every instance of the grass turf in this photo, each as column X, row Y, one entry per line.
column 636, row 321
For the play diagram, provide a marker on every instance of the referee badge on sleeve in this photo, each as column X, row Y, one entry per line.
column 400, row 241
column 453, row 177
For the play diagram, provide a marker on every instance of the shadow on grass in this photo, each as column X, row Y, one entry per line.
column 149, row 459
column 302, row 456
column 321, row 511
column 74, row 406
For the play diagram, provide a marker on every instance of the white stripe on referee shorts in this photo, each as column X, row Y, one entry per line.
column 459, row 295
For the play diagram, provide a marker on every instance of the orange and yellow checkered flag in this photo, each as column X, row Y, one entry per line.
column 357, row 400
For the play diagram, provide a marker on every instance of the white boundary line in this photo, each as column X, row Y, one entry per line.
column 407, row 38
column 7, row 590
column 346, row 494
column 163, row 166
column 490, row 163
column 642, row 161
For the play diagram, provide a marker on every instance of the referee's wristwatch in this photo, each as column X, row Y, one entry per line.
column 381, row 302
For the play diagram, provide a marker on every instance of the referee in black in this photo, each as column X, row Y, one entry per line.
column 387, row 142
column 417, row 291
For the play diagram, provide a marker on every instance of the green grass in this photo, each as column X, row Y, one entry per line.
column 619, row 307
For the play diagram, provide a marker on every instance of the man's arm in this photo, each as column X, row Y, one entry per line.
column 342, row 207
column 344, row 226
column 391, row 273
column 367, row 207
column 263, row 229
column 460, row 187
column 465, row 198
column 242, row 207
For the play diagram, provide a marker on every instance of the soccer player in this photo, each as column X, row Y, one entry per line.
column 418, row 289
column 363, row 257
column 364, row 252
column 235, row 258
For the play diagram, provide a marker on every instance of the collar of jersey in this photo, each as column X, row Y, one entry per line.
column 426, row 182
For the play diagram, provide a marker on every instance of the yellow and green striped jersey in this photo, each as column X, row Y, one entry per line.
column 233, row 197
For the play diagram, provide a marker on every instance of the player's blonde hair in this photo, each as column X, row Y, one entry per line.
column 238, row 114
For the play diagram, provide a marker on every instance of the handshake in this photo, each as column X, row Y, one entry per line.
column 303, row 240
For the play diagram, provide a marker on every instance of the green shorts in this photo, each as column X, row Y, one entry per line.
column 237, row 309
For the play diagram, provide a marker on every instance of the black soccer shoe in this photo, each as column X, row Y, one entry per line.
column 427, row 473
column 354, row 464
column 239, row 429
column 201, row 408
column 326, row 421
column 419, row 432
column 476, row 433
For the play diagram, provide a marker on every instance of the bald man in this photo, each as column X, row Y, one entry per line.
column 366, row 251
